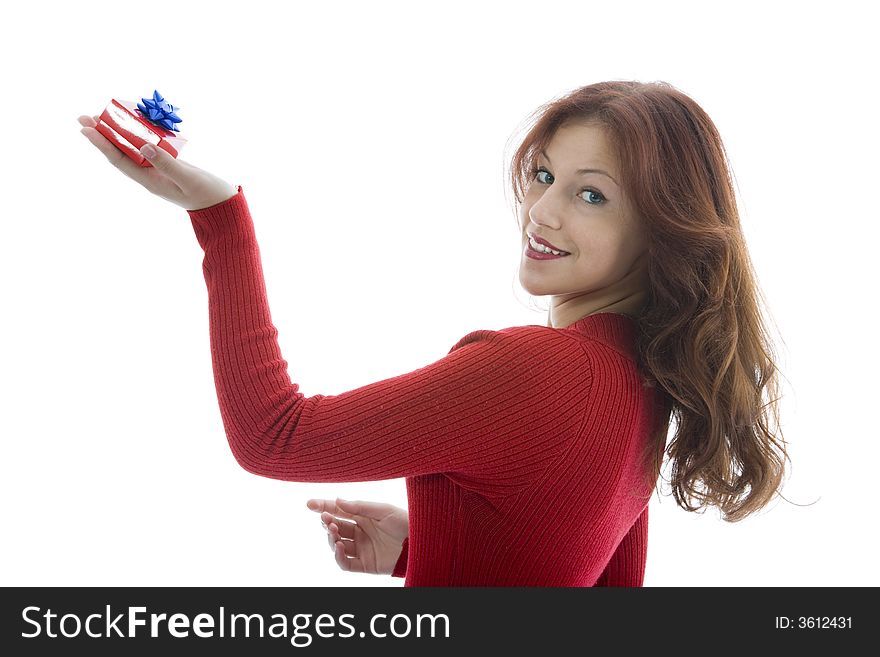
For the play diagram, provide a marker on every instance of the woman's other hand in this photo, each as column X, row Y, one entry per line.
column 366, row 537
column 170, row 178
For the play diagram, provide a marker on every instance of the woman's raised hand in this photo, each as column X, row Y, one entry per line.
column 170, row 178
column 371, row 542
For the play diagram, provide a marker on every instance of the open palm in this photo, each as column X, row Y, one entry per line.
column 170, row 178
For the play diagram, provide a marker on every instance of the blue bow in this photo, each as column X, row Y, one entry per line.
column 159, row 112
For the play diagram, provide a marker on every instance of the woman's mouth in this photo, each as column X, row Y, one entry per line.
column 540, row 252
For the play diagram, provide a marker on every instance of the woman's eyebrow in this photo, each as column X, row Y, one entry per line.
column 579, row 171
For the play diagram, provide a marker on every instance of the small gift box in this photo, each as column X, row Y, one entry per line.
column 130, row 126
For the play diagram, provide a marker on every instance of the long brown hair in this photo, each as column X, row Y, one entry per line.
column 702, row 340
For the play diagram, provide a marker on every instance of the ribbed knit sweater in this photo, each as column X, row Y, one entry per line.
column 520, row 447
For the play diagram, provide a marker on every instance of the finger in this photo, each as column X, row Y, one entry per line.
column 315, row 505
column 359, row 508
column 349, row 548
column 348, row 564
column 339, row 556
column 185, row 176
column 344, row 528
column 115, row 156
column 331, row 539
column 103, row 144
column 320, row 505
column 349, row 545
column 330, row 506
column 166, row 163
column 87, row 121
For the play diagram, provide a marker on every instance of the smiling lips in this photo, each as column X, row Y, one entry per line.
column 536, row 243
column 539, row 254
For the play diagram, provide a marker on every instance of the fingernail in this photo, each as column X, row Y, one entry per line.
column 148, row 150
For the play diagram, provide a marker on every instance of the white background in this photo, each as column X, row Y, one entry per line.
column 370, row 137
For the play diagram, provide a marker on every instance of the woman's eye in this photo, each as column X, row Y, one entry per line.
column 597, row 194
column 601, row 198
column 539, row 172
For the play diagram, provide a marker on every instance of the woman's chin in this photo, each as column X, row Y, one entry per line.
column 533, row 287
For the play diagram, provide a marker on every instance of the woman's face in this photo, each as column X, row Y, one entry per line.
column 585, row 214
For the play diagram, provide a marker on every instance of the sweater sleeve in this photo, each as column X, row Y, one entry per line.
column 627, row 565
column 492, row 409
column 400, row 567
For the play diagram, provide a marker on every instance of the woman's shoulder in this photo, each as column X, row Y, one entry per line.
column 526, row 338
column 593, row 350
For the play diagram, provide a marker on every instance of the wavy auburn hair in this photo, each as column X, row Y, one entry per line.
column 701, row 337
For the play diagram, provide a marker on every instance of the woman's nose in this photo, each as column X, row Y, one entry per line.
column 544, row 220
column 542, row 213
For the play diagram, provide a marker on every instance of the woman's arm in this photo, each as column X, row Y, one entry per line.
column 499, row 407
column 495, row 412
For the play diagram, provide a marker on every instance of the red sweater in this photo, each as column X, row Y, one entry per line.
column 519, row 447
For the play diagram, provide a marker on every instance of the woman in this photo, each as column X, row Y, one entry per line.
column 529, row 453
